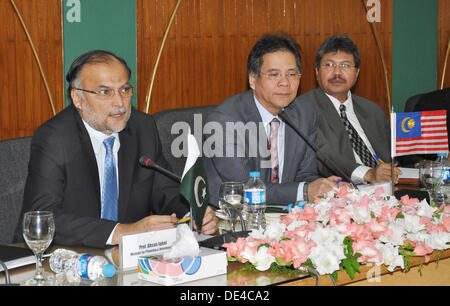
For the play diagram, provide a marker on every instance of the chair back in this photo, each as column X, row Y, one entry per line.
column 14, row 158
column 171, row 125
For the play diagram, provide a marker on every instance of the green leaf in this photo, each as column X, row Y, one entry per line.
column 263, row 245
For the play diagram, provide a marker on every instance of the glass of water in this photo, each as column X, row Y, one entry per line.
column 430, row 175
column 38, row 231
column 231, row 197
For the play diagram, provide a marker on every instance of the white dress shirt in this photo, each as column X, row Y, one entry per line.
column 358, row 174
column 266, row 119
column 97, row 139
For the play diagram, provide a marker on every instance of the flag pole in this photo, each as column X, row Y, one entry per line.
column 393, row 125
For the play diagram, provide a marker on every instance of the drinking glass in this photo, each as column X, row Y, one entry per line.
column 230, row 200
column 38, row 230
column 430, row 175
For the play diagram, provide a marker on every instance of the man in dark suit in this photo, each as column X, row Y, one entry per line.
column 352, row 131
column 249, row 135
column 84, row 162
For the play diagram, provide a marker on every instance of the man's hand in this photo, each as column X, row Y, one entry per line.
column 147, row 224
column 210, row 223
column 382, row 173
column 322, row 186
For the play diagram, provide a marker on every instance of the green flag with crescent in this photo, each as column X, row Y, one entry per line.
column 194, row 185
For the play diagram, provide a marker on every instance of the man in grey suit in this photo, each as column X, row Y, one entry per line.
column 353, row 132
column 249, row 136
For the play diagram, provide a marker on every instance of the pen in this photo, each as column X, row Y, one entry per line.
column 184, row 220
column 337, row 182
column 381, row 161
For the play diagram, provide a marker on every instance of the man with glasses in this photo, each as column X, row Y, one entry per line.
column 260, row 140
column 84, row 162
column 353, row 132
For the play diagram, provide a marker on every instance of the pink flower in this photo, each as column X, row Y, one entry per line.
column 343, row 192
column 422, row 249
column 234, row 249
column 357, row 232
column 307, row 214
column 446, row 220
column 405, row 200
column 379, row 192
column 378, row 229
column 368, row 250
column 339, row 216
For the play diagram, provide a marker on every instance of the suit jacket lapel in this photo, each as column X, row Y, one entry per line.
column 126, row 164
column 86, row 145
column 334, row 122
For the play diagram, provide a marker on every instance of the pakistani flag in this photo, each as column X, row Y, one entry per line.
column 194, row 186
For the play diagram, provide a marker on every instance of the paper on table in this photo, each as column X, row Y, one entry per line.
column 411, row 173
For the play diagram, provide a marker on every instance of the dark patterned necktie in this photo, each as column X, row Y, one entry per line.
column 274, row 125
column 110, row 194
column 357, row 143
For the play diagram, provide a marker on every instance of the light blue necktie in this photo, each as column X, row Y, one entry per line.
column 110, row 193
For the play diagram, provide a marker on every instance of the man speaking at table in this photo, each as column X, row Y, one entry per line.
column 288, row 168
column 84, row 162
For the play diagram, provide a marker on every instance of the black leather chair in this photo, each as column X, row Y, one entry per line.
column 14, row 157
column 169, row 122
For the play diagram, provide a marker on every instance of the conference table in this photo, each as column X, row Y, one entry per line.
column 436, row 272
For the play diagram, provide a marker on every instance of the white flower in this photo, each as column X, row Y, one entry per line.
column 327, row 236
column 391, row 257
column 411, row 224
column 263, row 260
column 275, row 230
column 360, row 215
column 293, row 225
column 438, row 241
column 419, row 237
column 396, row 238
column 425, row 210
column 324, row 260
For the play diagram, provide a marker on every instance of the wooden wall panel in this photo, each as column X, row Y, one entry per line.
column 204, row 60
column 25, row 103
column 443, row 39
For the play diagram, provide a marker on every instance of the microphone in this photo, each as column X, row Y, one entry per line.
column 147, row 162
column 321, row 157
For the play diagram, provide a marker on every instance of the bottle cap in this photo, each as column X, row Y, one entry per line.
column 442, row 154
column 109, row 270
column 255, row 174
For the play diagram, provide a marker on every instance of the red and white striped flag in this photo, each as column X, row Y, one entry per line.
column 419, row 133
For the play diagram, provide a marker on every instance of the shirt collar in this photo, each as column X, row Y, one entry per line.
column 348, row 103
column 98, row 137
column 266, row 116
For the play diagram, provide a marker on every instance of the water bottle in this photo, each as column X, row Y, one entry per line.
column 81, row 266
column 255, row 202
column 443, row 193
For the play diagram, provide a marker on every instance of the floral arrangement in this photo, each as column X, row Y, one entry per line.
column 344, row 229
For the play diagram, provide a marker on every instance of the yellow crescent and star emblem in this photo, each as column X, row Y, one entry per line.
column 408, row 124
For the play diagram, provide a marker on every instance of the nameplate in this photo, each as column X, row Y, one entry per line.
column 131, row 247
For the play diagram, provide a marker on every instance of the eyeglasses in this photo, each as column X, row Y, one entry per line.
column 107, row 93
column 331, row 66
column 277, row 75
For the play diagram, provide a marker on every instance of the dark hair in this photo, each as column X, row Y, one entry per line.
column 338, row 43
column 270, row 43
column 91, row 57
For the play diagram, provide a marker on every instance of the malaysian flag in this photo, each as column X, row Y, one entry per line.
column 419, row 133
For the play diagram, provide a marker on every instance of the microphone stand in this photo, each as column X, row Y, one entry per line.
column 323, row 159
